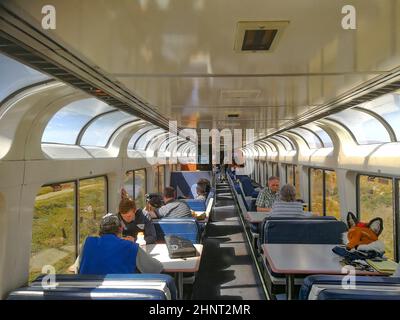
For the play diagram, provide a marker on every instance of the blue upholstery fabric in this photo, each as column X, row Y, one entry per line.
column 262, row 225
column 37, row 293
column 337, row 280
column 305, row 231
column 247, row 186
column 349, row 294
column 79, row 287
column 196, row 205
column 185, row 228
column 185, row 182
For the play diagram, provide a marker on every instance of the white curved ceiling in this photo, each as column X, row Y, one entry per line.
column 178, row 55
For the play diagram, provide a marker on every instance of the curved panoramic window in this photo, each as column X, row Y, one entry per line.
column 270, row 145
column 311, row 138
column 146, row 138
column 99, row 132
column 321, row 133
column 284, row 142
column 66, row 124
column 138, row 134
column 365, row 128
column 15, row 75
column 388, row 107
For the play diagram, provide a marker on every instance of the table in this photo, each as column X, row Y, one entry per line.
column 304, row 259
column 177, row 266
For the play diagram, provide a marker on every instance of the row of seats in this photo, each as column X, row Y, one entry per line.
column 95, row 287
column 315, row 230
column 125, row 286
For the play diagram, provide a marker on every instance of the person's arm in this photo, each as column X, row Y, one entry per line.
column 146, row 264
column 261, row 209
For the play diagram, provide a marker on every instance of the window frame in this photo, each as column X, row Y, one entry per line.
column 76, row 216
column 145, row 181
column 323, row 187
column 106, row 200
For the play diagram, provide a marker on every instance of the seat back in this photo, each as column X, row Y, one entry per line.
column 185, row 182
column 196, row 205
column 349, row 294
column 94, row 287
column 312, row 285
column 304, row 231
column 246, row 184
column 187, row 228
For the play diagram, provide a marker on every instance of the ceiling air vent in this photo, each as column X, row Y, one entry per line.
column 258, row 36
column 235, row 115
column 240, row 93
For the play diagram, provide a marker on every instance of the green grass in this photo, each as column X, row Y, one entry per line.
column 54, row 219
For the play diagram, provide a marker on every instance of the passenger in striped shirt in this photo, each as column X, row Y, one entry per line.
column 173, row 208
column 287, row 205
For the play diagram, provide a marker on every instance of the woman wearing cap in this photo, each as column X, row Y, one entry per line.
column 109, row 254
column 135, row 220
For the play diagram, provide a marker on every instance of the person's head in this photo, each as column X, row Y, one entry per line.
column 273, row 184
column 206, row 183
column 201, row 189
column 153, row 201
column 288, row 193
column 110, row 224
column 127, row 209
column 169, row 194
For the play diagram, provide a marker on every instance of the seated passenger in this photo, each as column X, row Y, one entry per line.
column 110, row 254
column 287, row 205
column 206, row 184
column 153, row 201
column 173, row 208
column 134, row 221
column 201, row 192
column 268, row 195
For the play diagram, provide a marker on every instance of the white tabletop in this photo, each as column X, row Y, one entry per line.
column 160, row 252
column 255, row 217
column 295, row 259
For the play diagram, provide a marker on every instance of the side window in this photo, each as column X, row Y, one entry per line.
column 129, row 183
column 289, row 174
column 375, row 196
column 297, row 181
column 53, row 229
column 92, row 206
column 332, row 202
column 161, row 178
column 140, row 187
column 316, row 190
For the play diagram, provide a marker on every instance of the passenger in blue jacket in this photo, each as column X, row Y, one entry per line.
column 109, row 254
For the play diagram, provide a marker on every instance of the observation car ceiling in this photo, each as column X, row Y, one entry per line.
column 181, row 64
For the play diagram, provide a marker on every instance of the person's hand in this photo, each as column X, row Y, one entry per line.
column 129, row 238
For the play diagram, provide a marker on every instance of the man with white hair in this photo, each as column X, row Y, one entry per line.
column 287, row 204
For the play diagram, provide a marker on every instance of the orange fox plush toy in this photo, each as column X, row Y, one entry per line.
column 364, row 236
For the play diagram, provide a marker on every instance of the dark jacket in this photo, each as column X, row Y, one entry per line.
column 141, row 223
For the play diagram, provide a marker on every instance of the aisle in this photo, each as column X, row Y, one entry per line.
column 226, row 270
